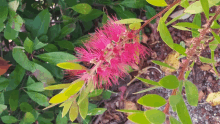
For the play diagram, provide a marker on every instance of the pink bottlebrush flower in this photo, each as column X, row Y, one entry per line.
column 112, row 49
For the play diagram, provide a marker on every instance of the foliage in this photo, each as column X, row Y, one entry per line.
column 41, row 37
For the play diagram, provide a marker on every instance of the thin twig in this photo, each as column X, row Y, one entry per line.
column 160, row 13
column 142, row 71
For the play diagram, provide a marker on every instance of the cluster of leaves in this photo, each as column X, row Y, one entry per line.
column 171, row 82
column 45, row 33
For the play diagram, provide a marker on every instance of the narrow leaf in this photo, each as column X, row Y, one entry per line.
column 73, row 111
column 57, row 87
column 163, row 64
column 205, row 7
column 129, row 21
column 192, row 94
column 169, row 82
column 83, row 107
column 159, row 3
column 71, row 66
column 82, row 8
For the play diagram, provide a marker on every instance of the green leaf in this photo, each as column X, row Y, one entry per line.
column 57, row 87
column 13, row 100
column 28, row 45
column 134, row 3
column 206, row 60
column 40, row 24
column 51, row 48
column 38, row 98
column 167, row 14
column 148, row 89
column 84, row 93
column 106, row 94
column 2, row 108
column 15, row 22
column 53, row 32
column 129, row 21
column 95, row 13
column 138, row 118
column 2, row 26
column 178, row 48
column 9, row 33
column 66, row 106
column 96, row 111
column 162, row 64
column 184, row 3
column 169, row 82
column 130, row 111
column 73, row 111
column 36, row 87
column 71, row 66
column 188, row 25
column 38, row 44
column 150, row 13
column 148, row 81
column 215, row 25
column 71, row 90
column 124, row 14
column 82, row 8
column 83, row 107
column 192, row 94
column 26, row 107
column 155, row 116
column 213, row 45
column 42, row 74
column 29, row 118
column 152, row 100
column 173, row 120
column 66, row 44
column 43, row 38
column 2, row 98
column 56, row 57
column 67, row 30
column 9, row 119
column 95, row 93
column 197, row 21
column 13, row 5
column 205, row 7
column 3, row 10
column 216, row 36
column 182, row 112
column 181, row 28
column 135, row 26
column 173, row 100
column 16, row 77
column 3, row 83
column 60, row 119
column 21, row 58
column 160, row 3
column 165, row 34
column 196, row 7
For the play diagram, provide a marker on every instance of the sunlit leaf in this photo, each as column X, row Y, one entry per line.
column 135, row 26
column 57, row 87
column 73, row 113
column 83, row 107
column 71, row 66
column 205, row 7
column 214, row 98
column 82, row 8
column 160, row 3
column 152, row 100
column 192, row 94
column 97, row 111
column 129, row 21
column 169, row 82
column 138, row 118
column 155, row 116
column 66, row 107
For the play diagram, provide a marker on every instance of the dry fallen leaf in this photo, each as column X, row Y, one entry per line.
column 206, row 67
column 213, row 98
column 172, row 60
column 129, row 106
column 201, row 95
column 3, row 66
